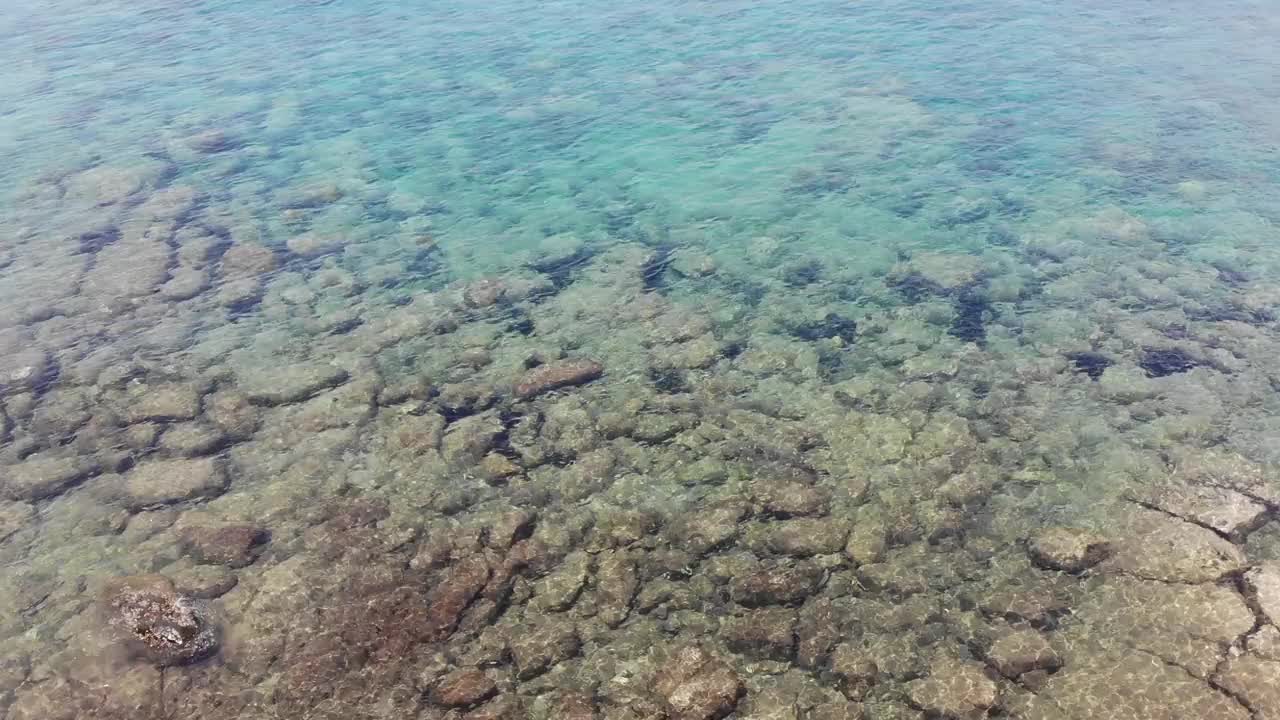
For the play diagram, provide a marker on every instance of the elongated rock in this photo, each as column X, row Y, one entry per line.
column 552, row 376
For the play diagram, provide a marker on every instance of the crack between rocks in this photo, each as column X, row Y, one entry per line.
column 1217, row 670
column 1189, row 521
column 1209, row 681
column 1272, row 507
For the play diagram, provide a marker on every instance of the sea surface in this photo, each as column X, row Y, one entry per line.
column 801, row 360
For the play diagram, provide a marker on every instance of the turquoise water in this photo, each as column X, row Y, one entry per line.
column 693, row 360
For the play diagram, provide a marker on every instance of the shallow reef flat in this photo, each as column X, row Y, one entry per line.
column 686, row 362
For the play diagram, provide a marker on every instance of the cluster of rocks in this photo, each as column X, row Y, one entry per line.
column 620, row 481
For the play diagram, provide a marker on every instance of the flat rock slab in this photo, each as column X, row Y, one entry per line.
column 1217, row 508
column 164, row 401
column 284, row 384
column 954, row 689
column 163, row 482
column 1130, row 686
column 1159, row 547
column 1218, row 468
column 14, row 516
column 1264, row 581
column 41, row 477
column 1186, row 625
column 1255, row 681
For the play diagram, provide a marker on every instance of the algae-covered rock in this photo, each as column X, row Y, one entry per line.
column 192, row 439
column 538, row 648
column 14, row 516
column 289, row 383
column 231, row 545
column 697, row 685
column 616, row 583
column 777, row 584
column 558, row 590
column 555, row 375
column 157, row 622
column 42, row 476
column 163, row 482
column 767, row 633
column 232, row 413
column 462, row 688
column 806, row 537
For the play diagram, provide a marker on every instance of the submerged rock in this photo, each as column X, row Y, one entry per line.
column 696, row 685
column 162, row 482
column 231, row 545
column 1130, row 686
column 462, row 688
column 41, row 476
column 1254, row 681
column 163, row 401
column 158, row 623
column 537, row 649
column 23, row 370
column 1264, row 582
column 1172, row 550
column 555, row 375
column 778, row 584
column 1068, row 549
column 955, row 689
column 289, row 383
column 767, row 633
column 1021, row 651
column 14, row 516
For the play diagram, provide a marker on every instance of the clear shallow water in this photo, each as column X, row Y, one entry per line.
column 880, row 295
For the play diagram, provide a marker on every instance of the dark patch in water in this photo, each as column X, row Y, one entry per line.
column 802, row 273
column 1162, row 362
column 750, row 291
column 830, row 362
column 1003, row 236
column 560, row 270
column 668, row 380
column 1231, row 276
column 1090, row 363
column 833, row 177
column 970, row 322
column 1229, row 313
column 907, row 205
column 427, row 262
column 521, row 323
column 94, row 240
column 831, row 325
column 655, row 267
column 914, row 287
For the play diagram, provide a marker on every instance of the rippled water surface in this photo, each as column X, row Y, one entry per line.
column 566, row 360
